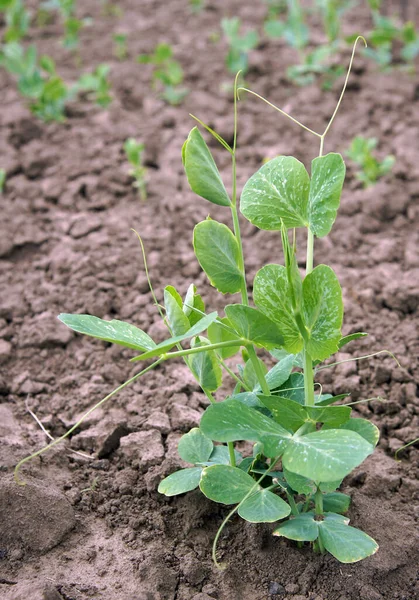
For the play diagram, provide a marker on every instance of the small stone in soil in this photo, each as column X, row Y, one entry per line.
column 276, row 589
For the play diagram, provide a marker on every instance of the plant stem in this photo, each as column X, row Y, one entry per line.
column 258, row 370
column 318, row 501
column 204, row 348
column 231, row 454
column 291, row 502
column 308, row 379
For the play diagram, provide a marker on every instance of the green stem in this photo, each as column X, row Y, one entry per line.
column 233, row 375
column 291, row 502
column 80, row 421
column 318, row 501
column 231, row 454
column 204, row 348
column 308, row 379
column 258, row 370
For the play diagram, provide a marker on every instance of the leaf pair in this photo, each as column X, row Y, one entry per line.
column 231, row 485
column 326, row 455
column 195, row 448
column 345, row 543
column 281, row 192
column 318, row 319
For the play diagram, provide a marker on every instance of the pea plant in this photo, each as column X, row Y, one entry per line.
column 301, row 442
column 370, row 168
column 120, row 47
column 97, row 85
column 237, row 58
column 167, row 74
column 134, row 152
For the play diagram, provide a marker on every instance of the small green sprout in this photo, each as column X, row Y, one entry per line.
column 305, row 442
column 293, row 29
column 17, row 20
column 237, row 58
column 196, row 5
column 167, row 74
column 317, row 64
column 370, row 168
column 37, row 80
column 120, row 48
column 97, row 84
column 134, row 152
column 2, row 180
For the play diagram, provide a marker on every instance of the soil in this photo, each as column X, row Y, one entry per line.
column 95, row 526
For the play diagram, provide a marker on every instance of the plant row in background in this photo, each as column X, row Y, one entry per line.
column 301, row 441
column 287, row 20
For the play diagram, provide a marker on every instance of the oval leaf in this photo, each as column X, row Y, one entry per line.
column 327, row 177
column 180, row 482
column 277, row 193
column 177, row 320
column 264, row 506
column 346, row 543
column 194, row 447
column 322, row 312
column 303, row 528
column 116, row 332
column 201, row 170
column 231, row 421
column 326, row 455
column 364, row 428
column 225, row 484
column 218, row 253
column 336, row 502
column 206, row 369
column 217, row 333
column 254, row 326
column 271, row 295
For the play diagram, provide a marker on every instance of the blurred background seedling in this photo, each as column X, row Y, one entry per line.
column 361, row 152
column 167, row 77
column 2, row 180
column 240, row 45
column 17, row 20
column 135, row 154
column 97, row 85
column 120, row 45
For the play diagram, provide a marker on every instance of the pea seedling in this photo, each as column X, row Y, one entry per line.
column 237, row 58
column 2, row 180
column 97, row 84
column 304, row 444
column 167, row 74
column 37, row 80
column 134, row 152
column 120, row 48
column 371, row 169
column 17, row 20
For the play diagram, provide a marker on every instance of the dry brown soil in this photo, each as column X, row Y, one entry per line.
column 96, row 528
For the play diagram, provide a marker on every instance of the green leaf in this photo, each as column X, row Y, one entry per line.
column 271, row 295
column 116, row 332
column 327, row 177
column 327, row 399
column 180, row 482
column 300, row 484
column 322, row 312
column 217, row 333
column 280, row 373
column 206, row 369
column 329, row 486
column 345, row 543
column 364, row 428
column 302, row 528
column 221, row 456
column 201, row 170
column 249, row 399
column 326, row 455
column 286, row 412
column 293, row 388
column 165, row 346
column 263, row 506
column 194, row 306
column 333, row 416
column 218, row 253
column 350, row 338
column 194, row 447
column 178, row 321
column 225, row 484
column 254, row 326
column 277, row 193
column 336, row 502
column 232, row 420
